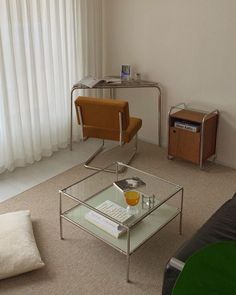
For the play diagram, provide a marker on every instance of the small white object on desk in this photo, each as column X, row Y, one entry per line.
column 112, row 80
column 90, row 81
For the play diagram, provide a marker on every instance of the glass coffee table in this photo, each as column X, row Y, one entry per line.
column 160, row 202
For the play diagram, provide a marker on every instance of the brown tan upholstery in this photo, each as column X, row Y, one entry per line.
column 100, row 118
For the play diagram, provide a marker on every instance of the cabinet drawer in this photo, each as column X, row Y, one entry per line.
column 184, row 144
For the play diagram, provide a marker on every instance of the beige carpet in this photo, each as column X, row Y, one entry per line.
column 82, row 264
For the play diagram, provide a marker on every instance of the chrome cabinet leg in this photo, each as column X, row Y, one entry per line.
column 159, row 114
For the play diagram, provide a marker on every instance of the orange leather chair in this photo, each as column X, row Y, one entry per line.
column 106, row 119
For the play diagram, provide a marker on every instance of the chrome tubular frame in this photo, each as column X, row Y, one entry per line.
column 125, row 84
column 202, row 136
column 101, row 147
column 176, row 263
column 179, row 191
column 60, row 216
column 81, row 122
column 128, row 255
column 181, row 212
column 121, row 129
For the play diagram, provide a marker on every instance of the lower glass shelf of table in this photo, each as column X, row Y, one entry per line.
column 92, row 191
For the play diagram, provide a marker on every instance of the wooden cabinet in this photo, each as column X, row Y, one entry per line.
column 192, row 134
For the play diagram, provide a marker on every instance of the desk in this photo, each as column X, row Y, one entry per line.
column 112, row 87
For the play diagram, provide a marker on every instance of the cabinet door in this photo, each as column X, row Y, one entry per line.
column 184, row 144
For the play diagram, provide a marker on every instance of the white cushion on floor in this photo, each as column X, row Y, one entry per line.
column 18, row 250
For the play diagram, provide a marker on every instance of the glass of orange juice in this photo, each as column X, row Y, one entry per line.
column 132, row 199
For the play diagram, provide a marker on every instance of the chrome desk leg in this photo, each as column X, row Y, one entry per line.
column 71, row 117
column 128, row 256
column 159, row 114
column 60, row 212
column 112, row 93
column 181, row 212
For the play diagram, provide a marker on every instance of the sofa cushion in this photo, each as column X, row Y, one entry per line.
column 221, row 226
column 210, row 270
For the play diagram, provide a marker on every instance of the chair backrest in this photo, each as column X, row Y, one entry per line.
column 102, row 113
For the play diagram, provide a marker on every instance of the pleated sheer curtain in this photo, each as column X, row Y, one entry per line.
column 45, row 47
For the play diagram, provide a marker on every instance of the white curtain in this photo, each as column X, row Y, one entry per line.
column 45, row 47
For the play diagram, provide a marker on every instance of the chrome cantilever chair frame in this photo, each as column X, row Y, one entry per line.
column 101, row 147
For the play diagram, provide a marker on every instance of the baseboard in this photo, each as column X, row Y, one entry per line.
column 148, row 140
column 225, row 164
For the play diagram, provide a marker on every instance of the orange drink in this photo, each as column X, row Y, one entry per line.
column 132, row 198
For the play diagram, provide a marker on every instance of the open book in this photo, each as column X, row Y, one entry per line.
column 90, row 81
column 114, row 210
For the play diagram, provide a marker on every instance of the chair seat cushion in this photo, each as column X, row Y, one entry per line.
column 18, row 250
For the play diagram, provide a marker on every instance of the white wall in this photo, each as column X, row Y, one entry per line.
column 189, row 46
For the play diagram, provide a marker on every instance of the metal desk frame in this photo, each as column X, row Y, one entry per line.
column 112, row 87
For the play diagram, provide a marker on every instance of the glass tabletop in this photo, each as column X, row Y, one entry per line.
column 102, row 189
column 123, row 84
